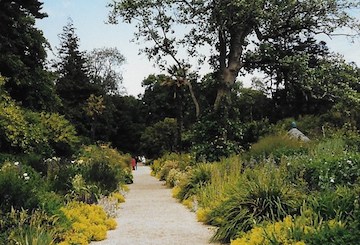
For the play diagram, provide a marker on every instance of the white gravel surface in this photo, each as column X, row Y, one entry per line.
column 150, row 216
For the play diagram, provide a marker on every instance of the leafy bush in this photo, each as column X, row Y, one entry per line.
column 27, row 131
column 162, row 166
column 166, row 168
column 61, row 134
column 174, row 177
column 19, row 187
column 104, row 167
column 261, row 194
column 208, row 136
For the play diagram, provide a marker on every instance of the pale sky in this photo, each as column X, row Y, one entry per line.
column 89, row 18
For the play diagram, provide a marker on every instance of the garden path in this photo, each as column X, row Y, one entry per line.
column 150, row 216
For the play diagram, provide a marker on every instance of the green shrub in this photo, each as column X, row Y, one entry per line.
column 162, row 166
column 50, row 202
column 104, row 167
column 26, row 131
column 166, row 168
column 337, row 204
column 174, row 177
column 261, row 194
column 61, row 134
column 208, row 136
column 19, row 186
column 60, row 175
column 194, row 181
column 333, row 235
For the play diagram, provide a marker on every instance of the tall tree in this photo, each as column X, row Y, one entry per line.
column 74, row 85
column 22, row 55
column 104, row 69
column 228, row 27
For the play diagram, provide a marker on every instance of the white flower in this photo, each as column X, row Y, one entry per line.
column 73, row 161
column 349, row 161
column 25, row 175
column 27, row 178
column 332, row 180
column 16, row 163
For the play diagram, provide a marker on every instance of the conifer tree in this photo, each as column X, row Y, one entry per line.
column 74, row 85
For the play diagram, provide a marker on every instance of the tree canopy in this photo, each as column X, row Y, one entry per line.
column 232, row 29
column 22, row 55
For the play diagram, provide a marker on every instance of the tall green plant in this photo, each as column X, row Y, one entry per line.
column 261, row 194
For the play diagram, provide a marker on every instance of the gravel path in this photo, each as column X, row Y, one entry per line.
column 150, row 216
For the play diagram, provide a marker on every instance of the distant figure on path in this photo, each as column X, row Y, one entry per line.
column 295, row 133
column 133, row 163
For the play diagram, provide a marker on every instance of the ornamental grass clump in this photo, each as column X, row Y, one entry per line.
column 261, row 194
column 35, row 227
column 277, row 146
column 194, row 181
column 223, row 176
column 89, row 223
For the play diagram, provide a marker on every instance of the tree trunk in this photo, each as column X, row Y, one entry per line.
column 194, row 99
column 230, row 62
column 179, row 120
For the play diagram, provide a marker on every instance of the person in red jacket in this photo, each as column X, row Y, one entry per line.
column 133, row 163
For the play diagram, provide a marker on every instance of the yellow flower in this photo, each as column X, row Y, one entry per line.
column 89, row 223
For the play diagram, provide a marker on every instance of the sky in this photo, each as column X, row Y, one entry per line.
column 89, row 18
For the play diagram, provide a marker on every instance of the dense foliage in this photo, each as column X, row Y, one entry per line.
column 273, row 194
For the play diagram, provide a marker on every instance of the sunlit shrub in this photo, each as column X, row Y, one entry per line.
column 89, row 223
column 27, row 131
column 166, row 168
column 203, row 214
column 223, row 176
column 307, row 228
column 162, row 166
column 61, row 134
column 118, row 197
column 174, row 177
column 189, row 203
column 273, row 233
column 261, row 194
column 13, row 125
